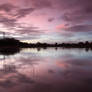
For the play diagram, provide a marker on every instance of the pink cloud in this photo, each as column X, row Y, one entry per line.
column 61, row 26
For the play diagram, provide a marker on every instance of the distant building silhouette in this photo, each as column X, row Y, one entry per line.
column 3, row 34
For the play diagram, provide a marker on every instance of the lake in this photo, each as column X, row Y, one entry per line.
column 46, row 70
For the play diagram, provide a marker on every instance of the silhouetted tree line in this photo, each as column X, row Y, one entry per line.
column 77, row 45
column 9, row 46
column 11, row 42
column 64, row 45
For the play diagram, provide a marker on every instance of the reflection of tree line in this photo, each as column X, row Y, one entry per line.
column 13, row 73
column 12, row 68
column 7, row 68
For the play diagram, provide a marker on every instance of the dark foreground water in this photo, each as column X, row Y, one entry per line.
column 50, row 70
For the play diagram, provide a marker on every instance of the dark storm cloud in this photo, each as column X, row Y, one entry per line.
column 29, row 31
column 20, row 12
column 79, row 28
column 77, row 13
column 6, row 16
column 24, row 12
column 43, row 3
column 51, row 19
column 77, row 17
column 7, row 7
column 84, row 5
column 82, row 11
column 7, row 22
column 12, row 14
column 38, row 4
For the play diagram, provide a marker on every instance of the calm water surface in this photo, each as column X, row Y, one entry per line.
column 50, row 70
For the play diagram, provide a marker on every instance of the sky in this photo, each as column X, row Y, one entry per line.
column 47, row 20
